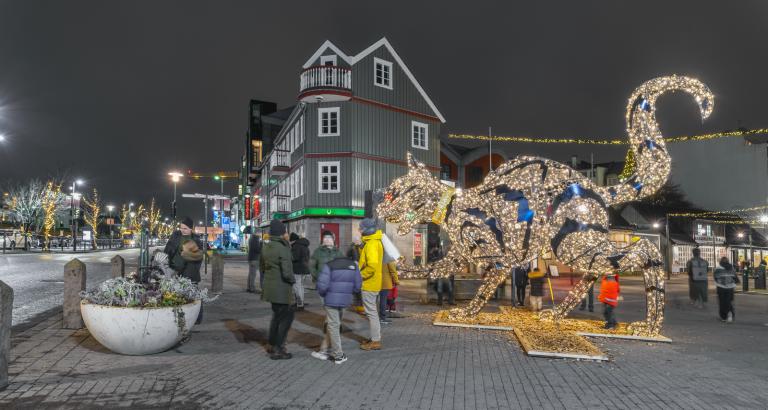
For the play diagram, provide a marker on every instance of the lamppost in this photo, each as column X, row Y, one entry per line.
column 73, row 221
column 110, row 208
column 175, row 177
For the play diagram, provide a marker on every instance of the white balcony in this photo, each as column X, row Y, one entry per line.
column 325, row 83
column 279, row 162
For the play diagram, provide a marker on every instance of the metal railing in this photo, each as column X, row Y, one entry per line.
column 279, row 158
column 36, row 243
column 325, row 77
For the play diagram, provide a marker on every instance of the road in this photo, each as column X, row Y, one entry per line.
column 37, row 279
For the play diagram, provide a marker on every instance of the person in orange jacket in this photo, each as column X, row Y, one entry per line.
column 609, row 296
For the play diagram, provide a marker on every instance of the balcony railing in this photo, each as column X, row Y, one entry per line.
column 326, row 77
column 279, row 204
column 279, row 160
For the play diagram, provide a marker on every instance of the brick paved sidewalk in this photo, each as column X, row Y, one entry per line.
column 710, row 365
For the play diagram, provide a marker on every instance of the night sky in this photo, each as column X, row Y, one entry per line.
column 120, row 93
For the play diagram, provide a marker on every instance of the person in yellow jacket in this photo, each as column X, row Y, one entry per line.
column 371, row 260
column 389, row 280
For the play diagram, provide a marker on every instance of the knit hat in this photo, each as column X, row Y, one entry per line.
column 276, row 229
column 188, row 222
column 294, row 237
column 327, row 233
column 368, row 226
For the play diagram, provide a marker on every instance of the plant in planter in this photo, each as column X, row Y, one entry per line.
column 132, row 317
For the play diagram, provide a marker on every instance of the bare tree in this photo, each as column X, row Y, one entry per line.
column 91, row 214
column 25, row 202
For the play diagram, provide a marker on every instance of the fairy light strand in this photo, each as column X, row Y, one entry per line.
column 531, row 205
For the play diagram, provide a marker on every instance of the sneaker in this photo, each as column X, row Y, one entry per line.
column 280, row 355
column 321, row 355
column 730, row 317
column 371, row 346
column 385, row 321
column 340, row 359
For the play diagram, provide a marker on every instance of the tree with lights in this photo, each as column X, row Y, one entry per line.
column 92, row 214
column 153, row 218
column 530, row 205
column 25, row 202
column 51, row 202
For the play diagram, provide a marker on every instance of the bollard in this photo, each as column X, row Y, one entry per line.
column 74, row 283
column 118, row 266
column 217, row 273
column 6, row 310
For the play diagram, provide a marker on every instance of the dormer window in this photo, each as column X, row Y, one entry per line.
column 328, row 60
column 382, row 73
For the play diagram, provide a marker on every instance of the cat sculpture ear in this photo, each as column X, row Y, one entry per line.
column 413, row 163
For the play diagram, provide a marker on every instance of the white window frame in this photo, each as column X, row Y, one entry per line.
column 423, row 126
column 329, row 111
column 301, row 180
column 320, row 176
column 325, row 59
column 384, row 63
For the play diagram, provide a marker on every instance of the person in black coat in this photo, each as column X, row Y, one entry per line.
column 520, row 279
column 185, row 254
column 300, row 255
column 254, row 251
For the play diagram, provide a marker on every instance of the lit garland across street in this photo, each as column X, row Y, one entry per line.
column 597, row 141
column 530, row 205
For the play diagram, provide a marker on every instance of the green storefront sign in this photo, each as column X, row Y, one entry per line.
column 327, row 212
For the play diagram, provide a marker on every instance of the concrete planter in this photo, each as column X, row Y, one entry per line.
column 139, row 331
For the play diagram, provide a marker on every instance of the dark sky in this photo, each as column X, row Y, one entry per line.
column 119, row 93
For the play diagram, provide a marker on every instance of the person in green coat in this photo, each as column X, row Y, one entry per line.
column 326, row 252
column 277, row 267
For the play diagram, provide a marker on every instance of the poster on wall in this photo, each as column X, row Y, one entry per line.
column 553, row 271
column 417, row 244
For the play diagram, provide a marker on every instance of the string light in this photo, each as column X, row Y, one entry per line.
column 532, row 205
column 50, row 200
column 599, row 141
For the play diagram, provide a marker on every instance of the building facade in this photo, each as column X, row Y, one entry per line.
column 356, row 118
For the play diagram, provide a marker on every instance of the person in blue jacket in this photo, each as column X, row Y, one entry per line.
column 337, row 281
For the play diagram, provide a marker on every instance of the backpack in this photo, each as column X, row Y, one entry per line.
column 699, row 269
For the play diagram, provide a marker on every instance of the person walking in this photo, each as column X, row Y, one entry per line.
column 300, row 255
column 537, row 289
column 371, row 258
column 697, row 279
column 725, row 280
column 276, row 265
column 589, row 297
column 326, row 252
column 185, row 254
column 254, row 252
column 389, row 280
column 338, row 280
column 443, row 286
column 609, row 296
column 760, row 275
column 520, row 281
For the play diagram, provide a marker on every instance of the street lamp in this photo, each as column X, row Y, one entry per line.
column 656, row 225
column 175, row 177
column 72, row 220
column 763, row 218
column 2, row 138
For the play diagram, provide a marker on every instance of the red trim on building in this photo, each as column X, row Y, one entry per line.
column 396, row 109
column 362, row 156
column 323, row 91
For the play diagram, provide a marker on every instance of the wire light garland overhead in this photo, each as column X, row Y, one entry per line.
column 598, row 141
column 531, row 205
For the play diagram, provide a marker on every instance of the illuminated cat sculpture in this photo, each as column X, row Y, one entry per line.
column 531, row 205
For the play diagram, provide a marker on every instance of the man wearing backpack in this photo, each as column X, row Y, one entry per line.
column 697, row 279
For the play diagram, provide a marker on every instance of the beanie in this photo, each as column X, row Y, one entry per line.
column 188, row 222
column 327, row 233
column 293, row 236
column 276, row 229
column 368, row 226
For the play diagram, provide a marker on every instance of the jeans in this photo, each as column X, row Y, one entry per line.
column 370, row 306
column 610, row 319
column 725, row 297
column 383, row 304
column 520, row 293
column 332, row 330
column 591, row 297
column 298, row 289
column 282, row 318
column 444, row 285
column 253, row 273
column 700, row 290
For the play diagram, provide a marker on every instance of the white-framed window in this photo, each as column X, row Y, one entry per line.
column 328, row 60
column 328, row 122
column 301, row 180
column 328, row 177
column 382, row 73
column 419, row 135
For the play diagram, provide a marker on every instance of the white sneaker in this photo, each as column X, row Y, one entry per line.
column 320, row 355
column 340, row 359
column 730, row 317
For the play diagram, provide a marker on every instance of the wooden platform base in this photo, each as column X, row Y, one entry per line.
column 485, row 327
column 660, row 339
